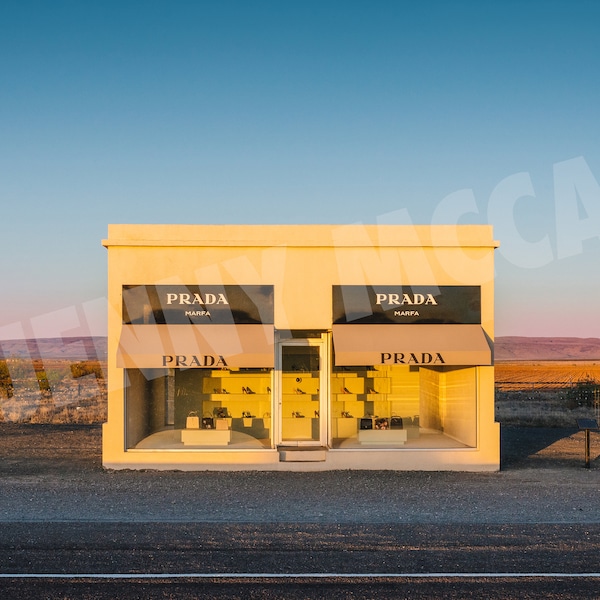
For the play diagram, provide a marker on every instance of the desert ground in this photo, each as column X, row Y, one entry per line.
column 547, row 393
column 546, row 372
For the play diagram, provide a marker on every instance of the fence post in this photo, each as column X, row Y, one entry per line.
column 586, row 425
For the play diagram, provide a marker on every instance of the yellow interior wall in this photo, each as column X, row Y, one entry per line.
column 404, row 392
column 430, row 399
column 459, row 404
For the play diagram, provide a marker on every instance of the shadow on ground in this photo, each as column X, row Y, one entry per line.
column 546, row 447
column 46, row 449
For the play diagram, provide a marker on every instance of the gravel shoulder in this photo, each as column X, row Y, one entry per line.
column 53, row 473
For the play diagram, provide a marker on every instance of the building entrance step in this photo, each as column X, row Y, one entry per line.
column 302, row 454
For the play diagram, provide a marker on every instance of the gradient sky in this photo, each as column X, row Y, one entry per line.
column 309, row 111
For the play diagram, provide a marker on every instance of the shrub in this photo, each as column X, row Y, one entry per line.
column 6, row 386
column 582, row 393
column 87, row 367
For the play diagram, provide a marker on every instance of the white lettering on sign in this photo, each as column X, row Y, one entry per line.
column 182, row 360
column 412, row 358
column 406, row 313
column 184, row 298
column 197, row 313
column 400, row 300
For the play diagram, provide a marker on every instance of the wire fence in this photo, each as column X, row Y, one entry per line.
column 546, row 403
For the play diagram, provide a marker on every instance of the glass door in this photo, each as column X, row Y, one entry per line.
column 302, row 387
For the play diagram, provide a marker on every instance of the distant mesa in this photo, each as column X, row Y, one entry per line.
column 70, row 348
column 546, row 348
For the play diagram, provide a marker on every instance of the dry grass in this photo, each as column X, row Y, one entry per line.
column 545, row 373
column 545, row 393
column 47, row 392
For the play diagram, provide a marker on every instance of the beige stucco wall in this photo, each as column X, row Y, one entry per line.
column 302, row 262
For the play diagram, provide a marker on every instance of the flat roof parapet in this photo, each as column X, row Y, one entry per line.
column 301, row 235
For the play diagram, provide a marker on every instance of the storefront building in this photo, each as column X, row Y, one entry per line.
column 301, row 347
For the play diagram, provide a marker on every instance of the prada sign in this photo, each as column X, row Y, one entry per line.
column 412, row 358
column 197, row 304
column 375, row 304
column 196, row 346
column 183, row 360
column 413, row 345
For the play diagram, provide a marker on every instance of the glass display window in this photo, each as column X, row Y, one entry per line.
column 205, row 408
column 403, row 406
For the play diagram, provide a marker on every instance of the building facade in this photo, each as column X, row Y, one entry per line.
column 301, row 347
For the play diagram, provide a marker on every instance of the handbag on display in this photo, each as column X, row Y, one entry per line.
column 192, row 421
column 208, row 423
column 396, row 423
column 382, row 423
column 366, row 423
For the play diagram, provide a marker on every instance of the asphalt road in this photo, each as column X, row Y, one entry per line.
column 69, row 529
column 319, row 561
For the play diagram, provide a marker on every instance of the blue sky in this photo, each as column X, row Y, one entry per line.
column 300, row 112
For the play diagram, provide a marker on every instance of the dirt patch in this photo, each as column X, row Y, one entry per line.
column 30, row 449
column 34, row 449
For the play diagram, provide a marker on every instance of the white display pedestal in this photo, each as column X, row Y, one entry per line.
column 382, row 436
column 206, row 437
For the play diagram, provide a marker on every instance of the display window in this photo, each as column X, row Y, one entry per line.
column 185, row 408
column 402, row 406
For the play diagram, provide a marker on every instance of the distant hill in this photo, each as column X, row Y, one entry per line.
column 546, row 348
column 72, row 348
column 506, row 348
